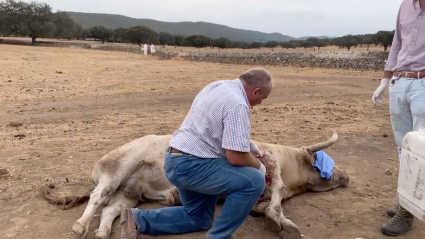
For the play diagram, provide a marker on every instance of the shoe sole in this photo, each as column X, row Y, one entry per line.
column 124, row 225
column 394, row 234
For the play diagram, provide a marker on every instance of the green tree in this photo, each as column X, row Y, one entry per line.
column 383, row 38
column 368, row 40
column 222, row 43
column 255, row 45
column 101, row 33
column 289, row 45
column 315, row 42
column 179, row 40
column 32, row 19
column 347, row 41
column 198, row 41
column 166, row 38
column 65, row 27
column 307, row 44
column 118, row 35
column 141, row 35
column 271, row 44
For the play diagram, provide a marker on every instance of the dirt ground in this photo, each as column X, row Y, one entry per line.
column 76, row 105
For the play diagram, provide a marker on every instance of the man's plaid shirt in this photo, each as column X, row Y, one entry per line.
column 218, row 119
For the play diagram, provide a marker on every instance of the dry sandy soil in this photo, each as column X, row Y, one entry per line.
column 76, row 105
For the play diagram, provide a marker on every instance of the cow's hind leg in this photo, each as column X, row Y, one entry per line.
column 116, row 203
column 99, row 196
column 168, row 197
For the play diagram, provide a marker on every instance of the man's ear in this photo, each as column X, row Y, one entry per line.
column 256, row 91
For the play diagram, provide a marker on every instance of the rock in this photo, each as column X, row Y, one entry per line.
column 20, row 136
column 4, row 172
column 15, row 124
column 385, row 135
column 388, row 172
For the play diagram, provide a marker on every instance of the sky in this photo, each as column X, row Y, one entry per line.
column 295, row 18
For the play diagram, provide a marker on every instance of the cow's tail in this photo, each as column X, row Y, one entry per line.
column 324, row 144
column 65, row 199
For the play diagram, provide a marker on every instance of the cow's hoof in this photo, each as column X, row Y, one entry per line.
column 286, row 235
column 289, row 230
column 101, row 235
column 272, row 219
column 79, row 230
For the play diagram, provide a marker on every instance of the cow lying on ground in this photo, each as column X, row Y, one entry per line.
column 134, row 173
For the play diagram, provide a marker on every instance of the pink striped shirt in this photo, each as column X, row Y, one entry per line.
column 408, row 48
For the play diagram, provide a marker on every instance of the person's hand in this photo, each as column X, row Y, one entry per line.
column 377, row 97
column 265, row 159
column 255, row 150
column 262, row 169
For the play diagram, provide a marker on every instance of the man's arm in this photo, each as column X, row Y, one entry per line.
column 236, row 158
column 236, row 137
column 395, row 49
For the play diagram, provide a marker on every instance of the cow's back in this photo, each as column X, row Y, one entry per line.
column 121, row 162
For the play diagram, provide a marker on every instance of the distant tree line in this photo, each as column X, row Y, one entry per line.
column 37, row 20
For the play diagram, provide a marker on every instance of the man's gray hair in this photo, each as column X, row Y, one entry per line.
column 257, row 77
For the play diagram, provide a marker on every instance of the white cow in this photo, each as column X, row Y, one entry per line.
column 134, row 173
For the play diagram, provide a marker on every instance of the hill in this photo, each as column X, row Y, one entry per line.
column 211, row 30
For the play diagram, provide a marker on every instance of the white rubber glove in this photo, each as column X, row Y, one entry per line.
column 377, row 97
column 263, row 169
column 254, row 149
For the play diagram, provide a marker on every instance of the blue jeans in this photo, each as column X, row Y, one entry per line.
column 200, row 182
column 407, row 107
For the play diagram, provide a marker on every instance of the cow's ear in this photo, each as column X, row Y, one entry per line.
column 313, row 158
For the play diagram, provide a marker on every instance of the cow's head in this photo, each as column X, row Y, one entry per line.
column 315, row 182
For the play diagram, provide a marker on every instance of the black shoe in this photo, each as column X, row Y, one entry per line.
column 400, row 223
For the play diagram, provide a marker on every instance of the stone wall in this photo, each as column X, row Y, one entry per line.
column 46, row 43
column 346, row 60
column 119, row 47
column 166, row 54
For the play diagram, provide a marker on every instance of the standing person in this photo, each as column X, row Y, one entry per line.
column 209, row 156
column 405, row 69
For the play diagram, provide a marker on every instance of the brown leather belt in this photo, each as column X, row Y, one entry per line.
column 175, row 151
column 410, row 74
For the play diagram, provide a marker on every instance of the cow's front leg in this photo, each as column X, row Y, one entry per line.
column 289, row 229
column 276, row 187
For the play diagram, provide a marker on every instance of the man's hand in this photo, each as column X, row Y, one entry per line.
column 236, row 158
column 377, row 97
column 263, row 169
column 266, row 159
column 255, row 150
